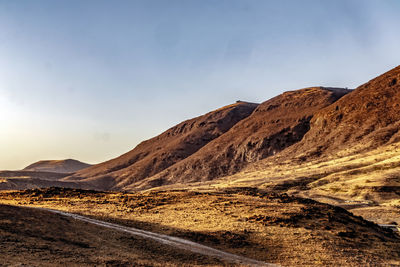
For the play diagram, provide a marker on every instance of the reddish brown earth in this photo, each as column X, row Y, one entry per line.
column 216, row 144
column 366, row 118
column 170, row 147
column 59, row 166
column 275, row 125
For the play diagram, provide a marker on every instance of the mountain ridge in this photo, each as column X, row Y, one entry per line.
column 298, row 125
column 256, row 135
column 275, row 125
column 164, row 150
column 366, row 118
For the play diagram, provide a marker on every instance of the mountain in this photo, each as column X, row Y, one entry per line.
column 366, row 118
column 304, row 124
column 215, row 144
column 274, row 125
column 57, row 166
column 166, row 149
column 350, row 156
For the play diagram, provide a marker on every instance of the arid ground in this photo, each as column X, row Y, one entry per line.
column 274, row 228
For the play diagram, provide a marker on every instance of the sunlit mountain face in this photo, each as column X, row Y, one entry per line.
column 199, row 133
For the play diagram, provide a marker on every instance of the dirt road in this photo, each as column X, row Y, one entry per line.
column 168, row 240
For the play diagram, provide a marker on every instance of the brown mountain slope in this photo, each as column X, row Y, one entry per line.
column 364, row 119
column 160, row 152
column 275, row 125
column 58, row 166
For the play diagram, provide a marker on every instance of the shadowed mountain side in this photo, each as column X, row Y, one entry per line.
column 275, row 125
column 164, row 150
column 59, row 166
column 364, row 119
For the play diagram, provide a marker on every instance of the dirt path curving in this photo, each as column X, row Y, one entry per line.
column 168, row 240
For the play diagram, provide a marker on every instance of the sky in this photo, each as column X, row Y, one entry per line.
column 90, row 80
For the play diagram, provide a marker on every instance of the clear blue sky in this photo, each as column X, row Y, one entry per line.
column 91, row 79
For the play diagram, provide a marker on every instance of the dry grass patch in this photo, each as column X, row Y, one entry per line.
column 270, row 227
column 39, row 238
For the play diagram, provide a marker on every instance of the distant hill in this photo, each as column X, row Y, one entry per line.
column 57, row 166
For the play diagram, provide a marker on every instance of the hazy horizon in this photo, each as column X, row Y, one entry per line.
column 89, row 80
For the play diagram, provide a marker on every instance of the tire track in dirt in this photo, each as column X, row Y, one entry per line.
column 176, row 242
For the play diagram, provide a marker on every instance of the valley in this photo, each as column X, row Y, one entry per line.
column 303, row 179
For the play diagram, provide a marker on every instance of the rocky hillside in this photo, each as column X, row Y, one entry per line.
column 302, row 124
column 166, row 149
column 275, row 125
column 366, row 118
column 57, row 166
column 216, row 144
